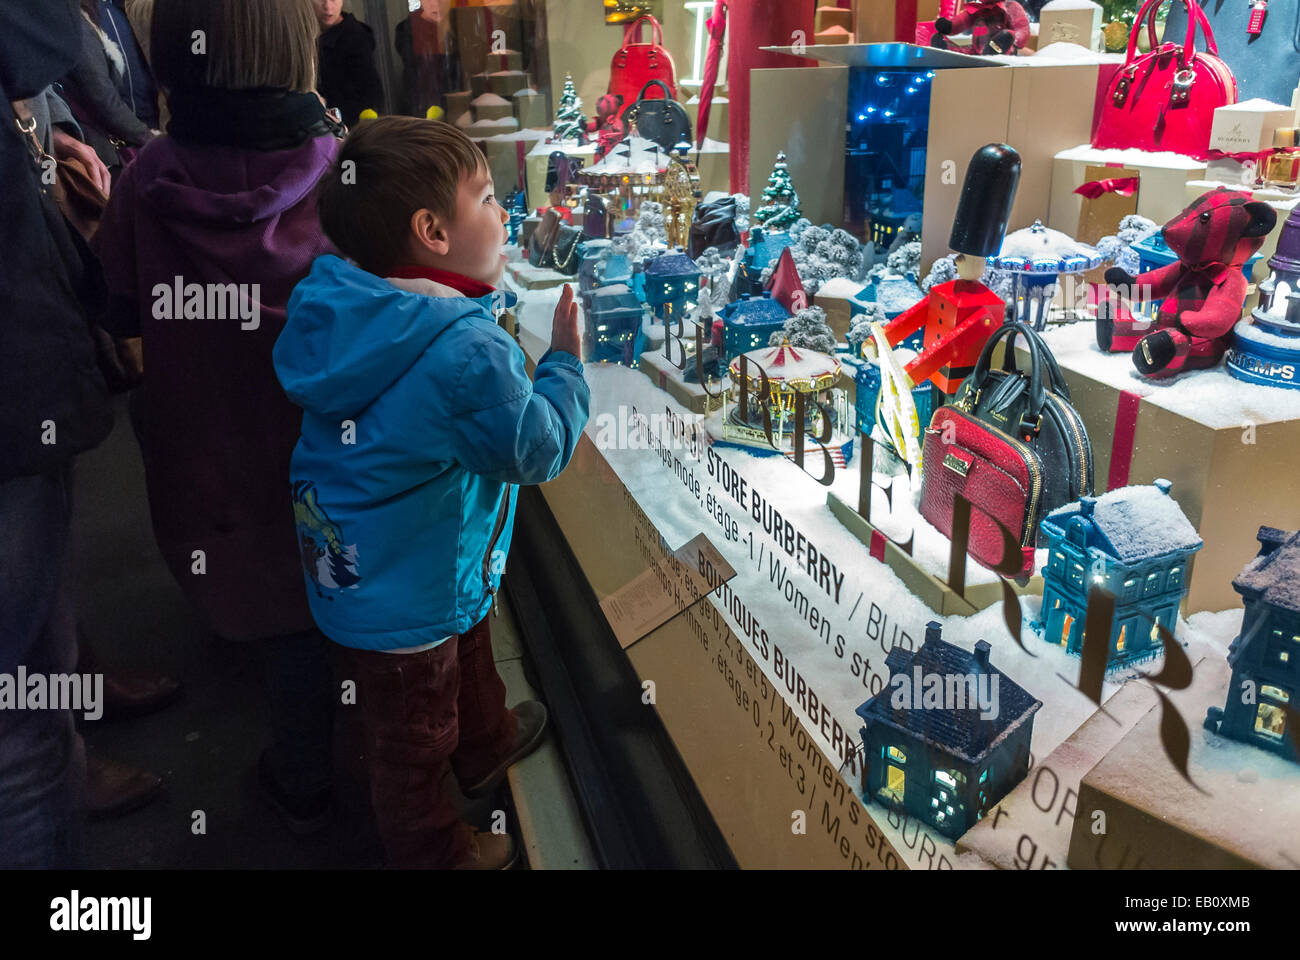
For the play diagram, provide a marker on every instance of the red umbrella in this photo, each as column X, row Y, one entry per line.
column 717, row 25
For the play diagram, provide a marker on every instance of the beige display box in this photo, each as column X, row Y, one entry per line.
column 876, row 21
column 1162, row 183
column 719, row 118
column 1039, row 109
column 1240, row 813
column 800, row 111
column 1070, row 22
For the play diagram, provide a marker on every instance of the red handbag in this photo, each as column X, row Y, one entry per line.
column 1000, row 476
column 637, row 64
column 1165, row 99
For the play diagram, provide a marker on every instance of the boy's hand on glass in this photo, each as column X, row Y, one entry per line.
column 564, row 329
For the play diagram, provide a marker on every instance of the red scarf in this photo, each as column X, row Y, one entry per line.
column 458, row 282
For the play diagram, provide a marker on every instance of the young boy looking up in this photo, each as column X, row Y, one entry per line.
column 419, row 424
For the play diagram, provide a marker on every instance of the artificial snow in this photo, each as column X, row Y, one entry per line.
column 840, row 287
column 1209, row 397
column 526, row 92
column 1130, row 157
column 1140, row 522
column 1030, row 243
column 1069, row 5
column 490, row 100
column 1248, row 331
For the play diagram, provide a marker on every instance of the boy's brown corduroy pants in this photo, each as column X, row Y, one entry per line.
column 426, row 715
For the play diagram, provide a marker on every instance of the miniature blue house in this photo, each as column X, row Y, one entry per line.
column 1136, row 543
column 748, row 323
column 672, row 285
column 1265, row 657
column 614, row 326
column 949, row 735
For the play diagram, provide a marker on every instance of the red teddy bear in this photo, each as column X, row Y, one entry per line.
column 1202, row 292
column 608, row 124
column 1000, row 26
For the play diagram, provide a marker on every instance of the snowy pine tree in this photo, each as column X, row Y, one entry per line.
column 808, row 329
column 780, row 207
column 860, row 328
column 570, row 124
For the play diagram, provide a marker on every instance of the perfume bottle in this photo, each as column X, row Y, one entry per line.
column 1282, row 169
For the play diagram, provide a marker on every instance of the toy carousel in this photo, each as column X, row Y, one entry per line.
column 800, row 385
column 638, row 170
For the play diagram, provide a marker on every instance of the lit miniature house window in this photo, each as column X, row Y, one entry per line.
column 984, row 777
column 898, row 756
column 1155, row 630
column 1276, row 693
column 1066, row 623
column 1119, row 643
column 1175, row 576
column 1153, row 583
column 1130, row 589
column 1076, row 575
column 947, row 778
column 1270, row 721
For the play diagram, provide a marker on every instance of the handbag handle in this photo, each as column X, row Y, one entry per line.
column 1147, row 15
column 668, row 93
column 632, row 32
column 1055, row 379
column 1037, row 394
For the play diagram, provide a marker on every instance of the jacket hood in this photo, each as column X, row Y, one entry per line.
column 351, row 335
column 228, row 185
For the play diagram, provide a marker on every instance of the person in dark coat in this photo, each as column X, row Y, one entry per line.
column 53, row 406
column 92, row 89
column 348, row 78
column 205, row 235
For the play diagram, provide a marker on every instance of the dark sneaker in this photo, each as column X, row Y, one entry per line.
column 489, row 851
column 302, row 815
column 1155, row 354
column 532, row 724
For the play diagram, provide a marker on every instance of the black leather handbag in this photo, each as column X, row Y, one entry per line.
column 662, row 120
column 555, row 245
column 715, row 226
column 1034, row 408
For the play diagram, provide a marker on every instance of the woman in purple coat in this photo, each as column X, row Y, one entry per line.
column 204, row 239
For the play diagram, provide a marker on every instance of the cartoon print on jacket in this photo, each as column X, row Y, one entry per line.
column 1201, row 293
column 330, row 563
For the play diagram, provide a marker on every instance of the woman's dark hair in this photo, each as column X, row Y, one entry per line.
column 234, row 44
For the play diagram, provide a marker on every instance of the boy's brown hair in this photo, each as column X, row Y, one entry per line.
column 387, row 169
column 234, row 44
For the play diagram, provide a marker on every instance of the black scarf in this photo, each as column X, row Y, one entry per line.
column 265, row 118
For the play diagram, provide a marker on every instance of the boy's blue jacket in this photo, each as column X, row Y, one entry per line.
column 419, row 419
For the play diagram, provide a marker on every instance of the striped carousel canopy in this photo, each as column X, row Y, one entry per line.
column 790, row 368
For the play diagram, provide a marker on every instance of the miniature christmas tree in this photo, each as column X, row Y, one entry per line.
column 569, row 121
column 860, row 328
column 780, row 208
column 714, row 267
column 808, row 329
column 1118, row 247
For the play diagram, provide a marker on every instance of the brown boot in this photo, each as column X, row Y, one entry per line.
column 489, row 851
column 114, row 789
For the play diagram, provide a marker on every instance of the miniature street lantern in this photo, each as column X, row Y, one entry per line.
column 792, row 372
column 1265, row 657
column 672, row 285
column 959, row 316
column 945, row 752
column 1036, row 257
column 1136, row 543
column 1266, row 349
